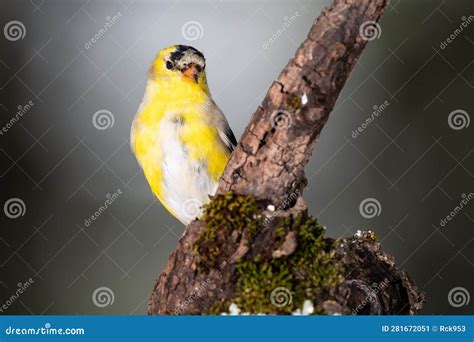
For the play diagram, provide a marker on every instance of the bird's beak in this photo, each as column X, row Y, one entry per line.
column 192, row 72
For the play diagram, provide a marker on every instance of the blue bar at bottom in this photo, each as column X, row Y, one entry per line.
column 232, row 328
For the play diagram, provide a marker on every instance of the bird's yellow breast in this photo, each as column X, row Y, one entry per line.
column 174, row 109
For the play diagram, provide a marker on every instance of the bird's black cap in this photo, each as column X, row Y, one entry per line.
column 180, row 50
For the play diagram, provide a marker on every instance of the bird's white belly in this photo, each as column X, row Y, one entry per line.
column 187, row 185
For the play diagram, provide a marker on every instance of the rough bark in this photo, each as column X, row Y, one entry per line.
column 268, row 163
column 373, row 285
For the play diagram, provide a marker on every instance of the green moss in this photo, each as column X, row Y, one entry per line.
column 293, row 102
column 372, row 236
column 257, row 280
column 306, row 274
column 225, row 214
column 280, row 232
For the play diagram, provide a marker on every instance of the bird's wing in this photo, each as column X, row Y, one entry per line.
column 223, row 128
column 228, row 137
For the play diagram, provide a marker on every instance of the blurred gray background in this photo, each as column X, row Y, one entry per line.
column 414, row 160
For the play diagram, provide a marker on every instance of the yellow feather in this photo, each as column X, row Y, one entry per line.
column 169, row 92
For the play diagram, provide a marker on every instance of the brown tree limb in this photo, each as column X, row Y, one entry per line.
column 269, row 164
column 282, row 133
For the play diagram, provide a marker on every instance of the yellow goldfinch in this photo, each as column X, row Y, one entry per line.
column 180, row 137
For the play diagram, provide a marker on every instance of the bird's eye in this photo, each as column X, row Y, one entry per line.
column 169, row 65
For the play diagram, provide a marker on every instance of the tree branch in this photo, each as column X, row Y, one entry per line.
column 269, row 230
column 281, row 135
